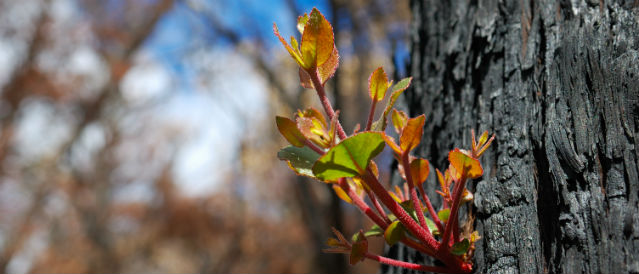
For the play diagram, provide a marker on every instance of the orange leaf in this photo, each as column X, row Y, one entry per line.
column 342, row 194
column 317, row 40
column 412, row 133
column 326, row 71
column 464, row 163
column 419, row 169
column 377, row 84
column 291, row 51
column 289, row 130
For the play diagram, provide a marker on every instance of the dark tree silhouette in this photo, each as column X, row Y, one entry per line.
column 558, row 82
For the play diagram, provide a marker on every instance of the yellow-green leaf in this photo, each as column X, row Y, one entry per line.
column 377, row 84
column 350, row 157
column 375, row 230
column 317, row 40
column 301, row 22
column 412, row 133
column 397, row 89
column 399, row 119
column 291, row 51
column 394, row 233
column 289, row 130
column 444, row 214
column 460, row 161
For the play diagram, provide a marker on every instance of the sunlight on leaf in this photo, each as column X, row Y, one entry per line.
column 444, row 214
column 419, row 169
column 412, row 133
column 377, row 84
column 350, row 157
column 380, row 124
column 461, row 161
column 317, row 40
column 394, row 233
column 289, row 130
column 342, row 194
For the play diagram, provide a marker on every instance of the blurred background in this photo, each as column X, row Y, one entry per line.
column 139, row 136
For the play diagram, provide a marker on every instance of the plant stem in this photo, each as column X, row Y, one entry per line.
column 457, row 193
column 423, row 235
column 328, row 108
column 430, row 208
column 377, row 206
column 369, row 123
column 359, row 203
column 413, row 193
column 314, row 147
column 407, row 265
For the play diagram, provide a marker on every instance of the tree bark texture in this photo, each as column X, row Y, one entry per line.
column 558, row 83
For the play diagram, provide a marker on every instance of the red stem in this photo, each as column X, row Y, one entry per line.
column 319, row 87
column 359, row 203
column 413, row 193
column 422, row 234
column 457, row 193
column 377, row 206
column 369, row 123
column 431, row 210
column 412, row 266
column 314, row 147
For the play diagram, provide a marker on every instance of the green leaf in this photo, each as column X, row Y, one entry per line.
column 444, row 214
column 375, row 230
column 394, row 233
column 432, row 226
column 300, row 159
column 317, row 40
column 460, row 248
column 289, row 130
column 350, row 157
column 377, row 84
column 360, row 248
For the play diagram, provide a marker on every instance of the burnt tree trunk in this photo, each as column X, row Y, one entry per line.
column 558, row 82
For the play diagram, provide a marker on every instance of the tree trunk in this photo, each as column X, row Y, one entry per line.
column 558, row 82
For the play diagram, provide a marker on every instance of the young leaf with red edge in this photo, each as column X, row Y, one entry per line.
column 301, row 22
column 412, row 133
column 399, row 119
column 359, row 249
column 460, row 161
column 397, row 89
column 289, row 130
column 299, row 159
column 317, row 40
column 377, row 84
column 350, row 157
column 294, row 52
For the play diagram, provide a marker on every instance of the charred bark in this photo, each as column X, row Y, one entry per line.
column 558, row 82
